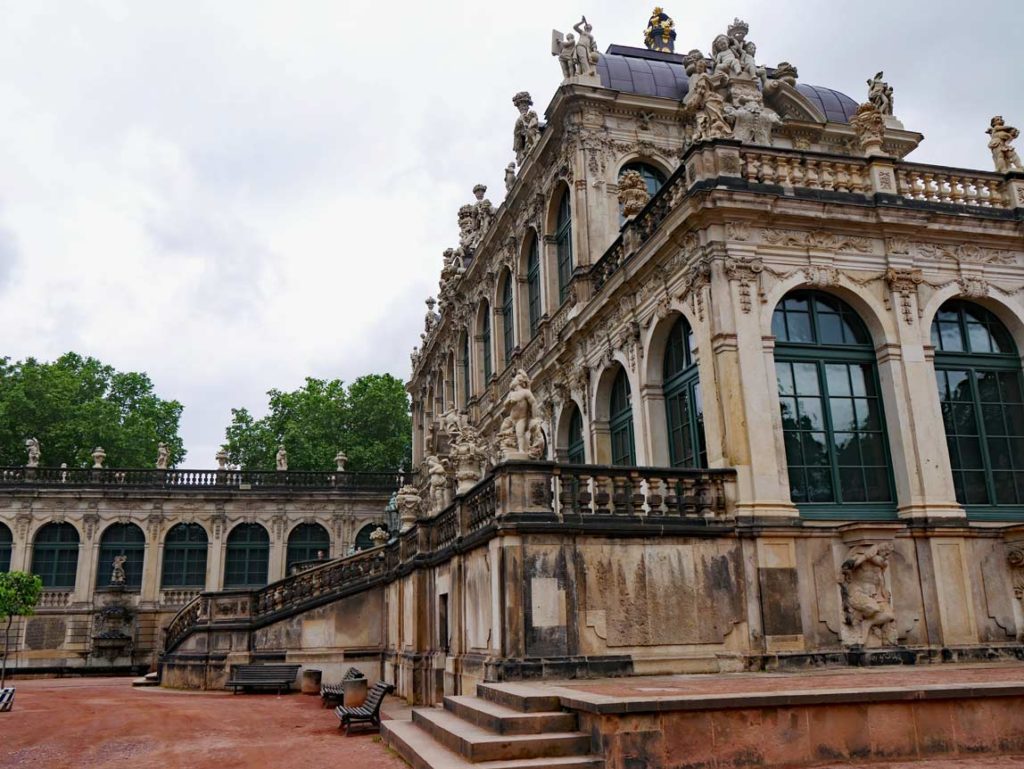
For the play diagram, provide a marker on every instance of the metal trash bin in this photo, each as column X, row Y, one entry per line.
column 311, row 681
column 355, row 690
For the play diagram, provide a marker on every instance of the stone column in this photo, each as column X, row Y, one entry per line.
column 151, row 563
column 653, row 432
column 215, row 554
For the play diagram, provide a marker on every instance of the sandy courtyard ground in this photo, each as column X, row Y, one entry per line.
column 84, row 723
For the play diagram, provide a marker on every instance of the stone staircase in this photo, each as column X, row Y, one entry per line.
column 506, row 726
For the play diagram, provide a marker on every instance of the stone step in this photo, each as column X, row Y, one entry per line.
column 502, row 719
column 477, row 744
column 521, row 697
column 421, row 751
column 150, row 679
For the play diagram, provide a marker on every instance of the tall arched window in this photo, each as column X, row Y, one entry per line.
column 307, row 542
column 184, row 556
column 508, row 335
column 466, row 391
column 575, row 451
column 563, row 245
column 119, row 539
column 363, row 541
column 832, row 418
column 684, row 408
column 621, row 421
column 55, row 555
column 248, row 552
column 6, row 545
column 653, row 178
column 485, row 334
column 979, row 376
column 533, row 285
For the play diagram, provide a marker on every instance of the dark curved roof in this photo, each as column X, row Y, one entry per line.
column 652, row 73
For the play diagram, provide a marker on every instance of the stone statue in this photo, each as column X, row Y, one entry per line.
column 880, row 94
column 785, row 73
column 437, row 475
column 484, row 212
column 527, row 129
column 707, row 104
column 282, row 458
column 117, row 576
column 339, row 460
column 222, row 459
column 867, row 605
column 431, row 319
column 98, row 455
column 660, row 34
column 727, row 61
column 468, row 457
column 633, row 194
column 409, row 506
column 577, row 56
column 1004, row 155
column 510, row 176
column 521, row 406
column 869, row 125
column 451, row 421
column 379, row 536
column 163, row 456
column 752, row 121
column 34, row 452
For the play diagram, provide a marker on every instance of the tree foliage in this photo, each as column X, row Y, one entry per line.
column 368, row 420
column 75, row 404
column 19, row 594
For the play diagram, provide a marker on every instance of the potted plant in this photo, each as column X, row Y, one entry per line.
column 19, row 594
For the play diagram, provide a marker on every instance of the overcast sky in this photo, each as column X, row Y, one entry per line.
column 234, row 195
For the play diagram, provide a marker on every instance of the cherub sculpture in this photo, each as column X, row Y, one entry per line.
column 1000, row 142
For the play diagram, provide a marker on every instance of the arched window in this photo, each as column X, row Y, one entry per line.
column 55, row 555
column 575, row 452
column 533, row 285
column 307, row 542
column 119, row 539
column 979, row 376
column 563, row 245
column 621, row 421
column 684, row 408
column 6, row 545
column 653, row 178
column 832, row 419
column 248, row 552
column 466, row 391
column 184, row 556
column 485, row 333
column 363, row 541
column 508, row 336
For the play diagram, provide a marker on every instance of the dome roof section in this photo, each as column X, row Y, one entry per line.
column 652, row 73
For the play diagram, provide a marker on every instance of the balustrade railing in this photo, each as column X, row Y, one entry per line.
column 806, row 171
column 178, row 597
column 54, row 599
column 949, row 185
column 184, row 621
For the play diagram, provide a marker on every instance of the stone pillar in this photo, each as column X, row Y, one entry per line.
column 215, row 555
column 278, row 553
column 85, row 576
column 653, row 432
column 150, row 593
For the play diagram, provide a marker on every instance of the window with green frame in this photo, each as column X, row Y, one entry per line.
column 982, row 399
column 248, row 553
column 832, row 418
column 533, row 285
column 563, row 245
column 6, row 545
column 575, row 452
column 684, row 408
column 184, row 556
column 306, row 543
column 55, row 555
column 508, row 319
column 620, row 421
column 124, row 539
column 485, row 333
column 466, row 392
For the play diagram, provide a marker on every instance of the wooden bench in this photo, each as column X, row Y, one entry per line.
column 280, row 677
column 335, row 693
column 369, row 711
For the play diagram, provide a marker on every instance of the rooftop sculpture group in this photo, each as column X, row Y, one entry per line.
column 578, row 56
column 660, row 34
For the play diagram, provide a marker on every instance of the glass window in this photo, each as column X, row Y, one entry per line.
column 508, row 336
column 485, row 333
column 6, row 545
column 185, row 556
column 576, row 453
column 621, row 422
column 248, row 553
column 533, row 285
column 120, row 539
column 563, row 245
column 981, row 396
column 833, row 426
column 55, row 555
column 683, row 404
column 308, row 542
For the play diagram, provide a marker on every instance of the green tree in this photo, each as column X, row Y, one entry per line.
column 19, row 594
column 368, row 420
column 74, row 404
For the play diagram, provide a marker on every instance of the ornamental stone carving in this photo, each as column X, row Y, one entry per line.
column 339, row 460
column 526, row 133
column 705, row 104
column 1001, row 137
column 222, row 459
column 578, row 57
column 510, row 176
column 869, row 125
column 483, row 212
column 522, row 422
column 379, row 537
column 34, row 452
column 752, row 121
column 868, row 616
column 437, row 482
column 409, row 506
column 904, row 283
column 98, row 455
column 468, row 456
column 880, row 94
column 633, row 194
column 117, row 574
column 163, row 456
column 660, row 34
column 281, row 459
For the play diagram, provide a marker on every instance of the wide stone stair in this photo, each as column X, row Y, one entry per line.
column 506, row 726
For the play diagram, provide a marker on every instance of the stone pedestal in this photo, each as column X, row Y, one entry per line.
column 311, row 680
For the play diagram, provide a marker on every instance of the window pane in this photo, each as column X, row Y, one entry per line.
column 843, row 418
column 805, row 376
column 837, row 377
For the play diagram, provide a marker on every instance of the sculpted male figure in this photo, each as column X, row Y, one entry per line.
column 867, row 601
column 522, row 406
column 527, row 129
column 34, row 452
column 1004, row 155
column 437, row 474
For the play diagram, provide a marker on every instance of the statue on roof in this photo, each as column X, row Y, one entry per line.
column 527, row 129
column 660, row 34
column 510, row 176
column 880, row 94
column 577, row 56
column 484, row 211
column 34, row 452
column 1004, row 155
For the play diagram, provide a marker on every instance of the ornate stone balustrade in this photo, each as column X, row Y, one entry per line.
column 948, row 185
column 185, row 621
column 806, row 171
column 178, row 597
column 54, row 599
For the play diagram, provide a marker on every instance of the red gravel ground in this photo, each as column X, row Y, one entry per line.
column 105, row 723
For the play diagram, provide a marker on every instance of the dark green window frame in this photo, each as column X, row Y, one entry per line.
column 6, row 546
column 55, row 556
column 620, row 422
column 833, row 420
column 247, row 559
column 508, row 319
column 684, row 407
column 563, row 245
column 185, row 552
column 485, row 334
column 305, row 542
column 981, row 395
column 533, row 286
column 124, row 539
column 575, row 451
